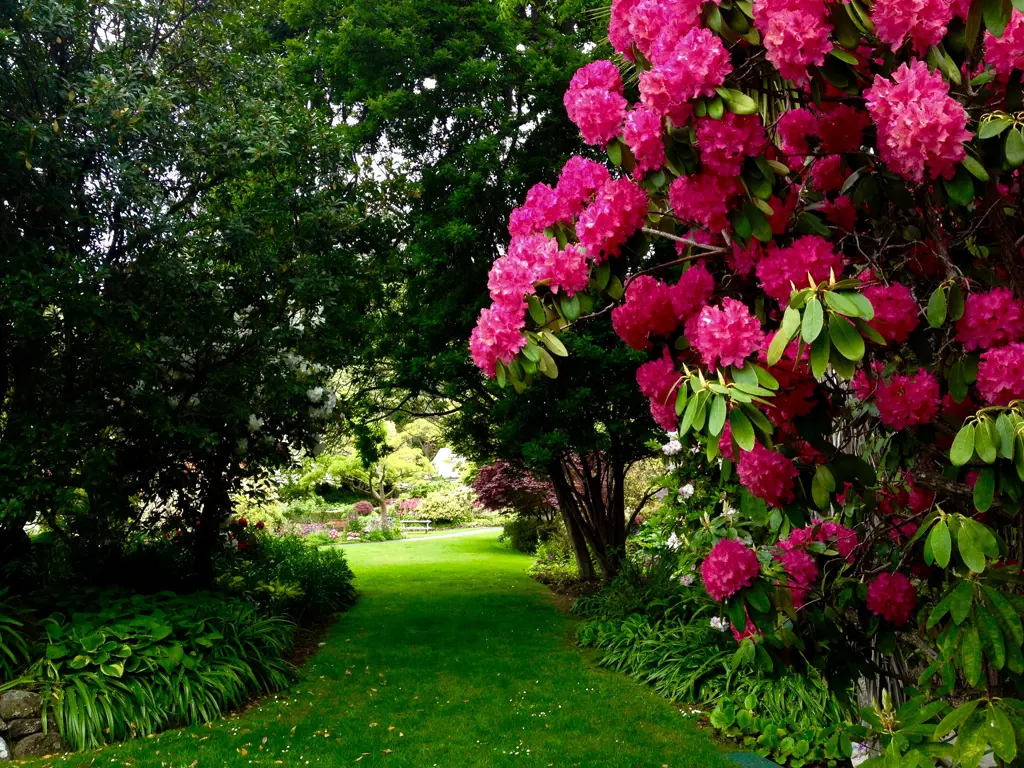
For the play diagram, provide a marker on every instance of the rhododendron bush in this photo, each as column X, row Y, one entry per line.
column 810, row 218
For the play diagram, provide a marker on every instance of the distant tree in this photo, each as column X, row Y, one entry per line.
column 503, row 485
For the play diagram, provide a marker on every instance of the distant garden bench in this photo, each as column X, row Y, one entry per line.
column 415, row 525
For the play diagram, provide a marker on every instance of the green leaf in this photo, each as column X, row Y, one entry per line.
column 992, row 642
column 766, row 379
column 960, row 601
column 681, row 396
column 788, row 329
column 936, row 312
column 547, row 365
column 113, row 669
column 602, row 275
column 939, row 543
column 846, row 338
column 55, row 651
column 570, row 307
column 1014, row 148
column 536, row 310
column 1004, row 428
column 994, row 126
column 984, row 489
column 846, row 56
column 759, row 225
column 737, row 101
column 865, row 310
column 955, row 719
column 499, row 372
column 79, row 662
column 970, row 655
column 813, row 320
column 841, row 303
column 976, row 169
column 552, row 343
column 1001, row 734
column 996, row 14
column 615, row 288
column 819, row 355
column 962, row 449
column 716, row 417
column 742, row 429
column 615, row 152
column 745, row 375
column 716, row 108
column 985, row 439
column 960, row 188
column 970, row 550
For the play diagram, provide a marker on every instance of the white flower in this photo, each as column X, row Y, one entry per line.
column 674, row 542
column 719, row 623
column 687, row 580
column 672, row 435
column 727, row 509
column 672, row 447
column 686, row 491
column 255, row 424
column 315, row 394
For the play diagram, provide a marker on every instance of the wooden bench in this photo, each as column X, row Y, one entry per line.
column 415, row 525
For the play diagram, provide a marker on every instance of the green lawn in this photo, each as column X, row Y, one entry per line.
column 454, row 658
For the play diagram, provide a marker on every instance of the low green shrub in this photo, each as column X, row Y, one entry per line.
column 145, row 663
column 285, row 575
column 14, row 638
column 310, row 508
column 525, row 534
column 452, row 505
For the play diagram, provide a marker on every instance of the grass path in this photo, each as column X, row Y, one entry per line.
column 453, row 657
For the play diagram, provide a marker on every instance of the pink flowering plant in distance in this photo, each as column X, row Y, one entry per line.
column 810, row 218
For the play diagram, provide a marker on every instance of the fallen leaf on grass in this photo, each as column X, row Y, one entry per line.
column 362, row 756
column 387, row 751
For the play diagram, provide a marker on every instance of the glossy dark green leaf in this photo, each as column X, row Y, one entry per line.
column 1014, row 148
column 841, row 303
column 936, row 312
column 716, row 416
column 940, row 543
column 742, row 429
column 813, row 320
column 991, row 636
column 960, row 188
column 970, row 655
column 962, row 449
column 976, row 169
column 994, row 126
column 819, row 355
column 984, row 489
column 996, row 14
column 788, row 329
column 986, row 440
column 1004, row 428
column 961, row 601
column 846, row 338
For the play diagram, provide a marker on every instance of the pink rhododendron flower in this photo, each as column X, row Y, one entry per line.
column 512, row 276
column 892, row 596
column 618, row 211
column 1001, row 374
column 724, row 143
column 923, row 21
column 565, row 271
column 648, row 311
column 728, row 568
column 827, row 174
column 657, row 25
column 694, row 67
column 793, row 130
column 767, row 474
column 703, row 199
column 643, row 135
column 578, row 183
column 657, row 380
column 795, row 34
column 726, row 335
column 896, row 312
column 595, row 103
column 839, row 536
column 692, row 292
column 781, row 268
column 841, row 213
column 782, row 211
column 543, row 208
column 498, row 335
column 841, row 129
column 802, row 572
column 618, row 27
column 744, row 258
column 1006, row 53
column 920, row 126
column 991, row 319
column 905, row 401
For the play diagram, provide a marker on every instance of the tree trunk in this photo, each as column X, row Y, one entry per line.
column 570, row 516
column 216, row 507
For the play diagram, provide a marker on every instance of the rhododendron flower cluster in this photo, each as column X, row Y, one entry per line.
column 767, row 474
column 923, row 21
column 657, row 380
column 726, row 335
column 704, row 198
column 1006, row 53
column 782, row 268
column 648, row 311
column 991, row 319
column 1001, row 374
column 643, row 136
column 725, row 143
column 906, row 401
column 498, row 335
column 893, row 597
column 728, row 568
column 617, row 212
column 695, row 66
column 896, row 312
column 595, row 102
column 795, row 34
column 921, row 128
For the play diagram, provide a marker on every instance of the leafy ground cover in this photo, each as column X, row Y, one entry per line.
column 453, row 657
